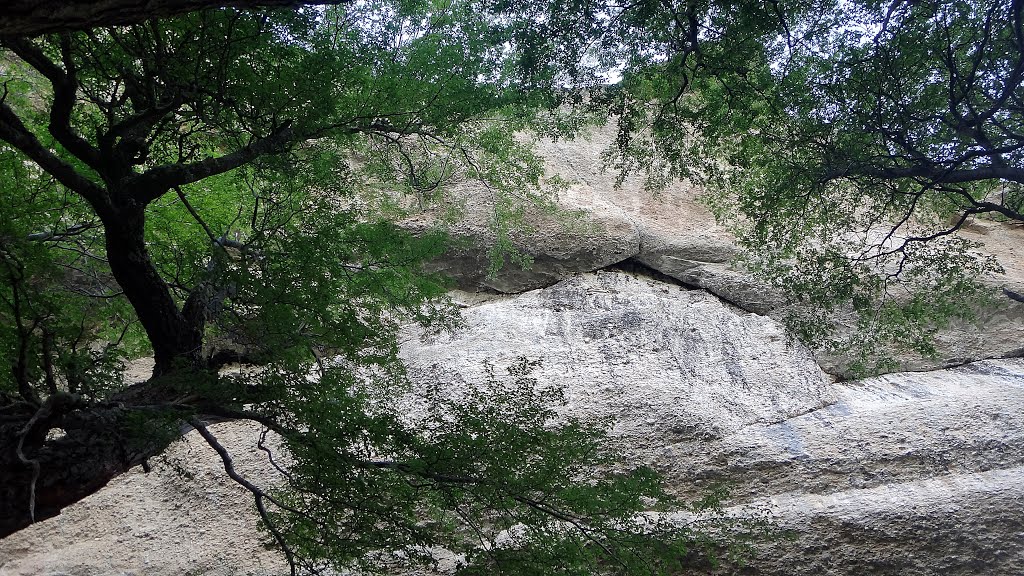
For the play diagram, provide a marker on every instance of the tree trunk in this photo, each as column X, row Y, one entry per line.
column 55, row 453
column 40, row 473
column 176, row 341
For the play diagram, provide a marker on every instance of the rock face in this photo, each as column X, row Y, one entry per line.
column 185, row 518
column 673, row 233
column 912, row 473
column 661, row 360
column 903, row 474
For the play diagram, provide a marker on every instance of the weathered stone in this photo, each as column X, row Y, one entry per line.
column 912, row 473
column 559, row 248
column 886, row 430
column 904, row 474
column 184, row 517
column 948, row 525
column 658, row 358
column 674, row 233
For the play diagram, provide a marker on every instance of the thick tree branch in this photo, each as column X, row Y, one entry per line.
column 33, row 17
column 134, row 127
column 14, row 132
column 936, row 173
column 1016, row 296
column 156, row 181
column 64, row 85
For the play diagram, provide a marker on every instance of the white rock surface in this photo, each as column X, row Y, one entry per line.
column 918, row 474
column 661, row 359
column 911, row 473
column 884, row 430
column 673, row 233
column 955, row 524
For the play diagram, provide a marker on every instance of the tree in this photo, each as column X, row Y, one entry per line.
column 218, row 187
column 846, row 143
column 30, row 18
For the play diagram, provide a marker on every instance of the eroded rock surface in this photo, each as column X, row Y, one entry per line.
column 910, row 473
column 905, row 474
column 674, row 233
column 658, row 358
column 185, row 518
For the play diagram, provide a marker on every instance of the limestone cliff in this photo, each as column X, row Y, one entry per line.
column 913, row 473
column 673, row 233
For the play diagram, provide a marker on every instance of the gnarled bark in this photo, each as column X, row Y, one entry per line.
column 64, row 450
column 175, row 339
column 32, row 17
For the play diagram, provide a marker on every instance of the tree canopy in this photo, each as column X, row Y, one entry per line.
column 222, row 186
column 30, row 18
column 846, row 143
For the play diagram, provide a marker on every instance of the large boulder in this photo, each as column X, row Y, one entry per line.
column 185, row 518
column 667, row 363
column 672, row 232
column 905, row 474
column 918, row 473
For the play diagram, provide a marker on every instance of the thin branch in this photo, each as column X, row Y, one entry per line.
column 258, row 494
column 262, row 445
column 30, row 461
column 195, row 215
column 47, row 352
column 75, row 230
column 578, row 524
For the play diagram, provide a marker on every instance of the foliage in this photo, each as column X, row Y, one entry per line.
column 223, row 187
column 845, row 142
column 387, row 100
column 56, row 302
column 492, row 475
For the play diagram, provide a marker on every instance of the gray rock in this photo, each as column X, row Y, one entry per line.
column 674, row 233
column 905, row 474
column 558, row 249
column 186, row 517
column 956, row 524
column 881, row 431
column 659, row 358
